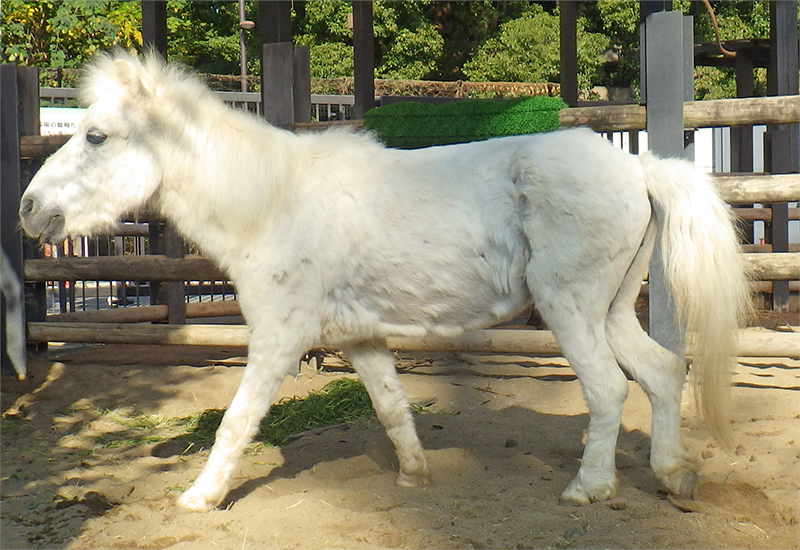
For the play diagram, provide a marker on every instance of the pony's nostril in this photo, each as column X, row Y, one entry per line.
column 26, row 206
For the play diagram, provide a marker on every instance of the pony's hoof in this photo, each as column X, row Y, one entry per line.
column 688, row 486
column 581, row 495
column 413, row 480
column 682, row 482
column 194, row 501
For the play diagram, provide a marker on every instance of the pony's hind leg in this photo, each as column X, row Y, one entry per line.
column 578, row 325
column 268, row 362
column 375, row 366
column 605, row 388
column 660, row 372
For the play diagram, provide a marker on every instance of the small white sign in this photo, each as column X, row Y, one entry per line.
column 59, row 120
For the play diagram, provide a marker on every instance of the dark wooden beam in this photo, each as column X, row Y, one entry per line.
column 10, row 191
column 363, row 58
column 568, row 38
column 783, row 144
column 154, row 25
column 274, row 22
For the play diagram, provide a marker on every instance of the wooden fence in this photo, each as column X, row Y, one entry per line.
column 117, row 326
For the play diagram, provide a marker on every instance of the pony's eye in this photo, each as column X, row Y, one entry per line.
column 95, row 137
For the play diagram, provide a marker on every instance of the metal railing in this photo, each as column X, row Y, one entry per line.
column 323, row 107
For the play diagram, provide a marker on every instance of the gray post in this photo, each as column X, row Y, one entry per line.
column 301, row 83
column 667, row 82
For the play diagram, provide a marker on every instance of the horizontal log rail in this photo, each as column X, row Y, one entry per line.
column 758, row 188
column 230, row 308
column 123, row 268
column 793, row 247
column 696, row 114
column 762, row 214
column 752, row 343
column 148, row 314
column 600, row 118
column 773, row 266
column 764, row 266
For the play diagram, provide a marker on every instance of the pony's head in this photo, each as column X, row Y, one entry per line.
column 110, row 167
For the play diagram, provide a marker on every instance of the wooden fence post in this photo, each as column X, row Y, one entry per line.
column 20, row 302
column 285, row 84
column 782, row 144
column 667, row 81
column 164, row 239
column 363, row 58
column 568, row 37
column 13, row 315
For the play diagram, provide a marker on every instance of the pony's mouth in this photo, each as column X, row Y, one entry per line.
column 54, row 230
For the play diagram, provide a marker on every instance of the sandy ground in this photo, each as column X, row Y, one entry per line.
column 503, row 439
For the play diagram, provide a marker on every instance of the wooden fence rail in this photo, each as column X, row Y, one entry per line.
column 696, row 114
column 763, row 266
column 752, row 343
column 758, row 188
column 123, row 268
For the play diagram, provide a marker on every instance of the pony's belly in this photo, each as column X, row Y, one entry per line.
column 414, row 302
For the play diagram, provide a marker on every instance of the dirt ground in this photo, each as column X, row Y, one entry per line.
column 503, row 438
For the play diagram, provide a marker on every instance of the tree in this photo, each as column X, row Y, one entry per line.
column 444, row 40
column 205, row 36
column 736, row 20
column 464, row 27
column 527, row 50
column 406, row 42
column 323, row 27
column 66, row 34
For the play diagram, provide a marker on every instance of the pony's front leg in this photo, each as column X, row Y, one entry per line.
column 269, row 359
column 375, row 366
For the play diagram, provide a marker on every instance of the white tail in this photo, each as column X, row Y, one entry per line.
column 705, row 273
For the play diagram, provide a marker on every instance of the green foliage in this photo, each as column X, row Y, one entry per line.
column 408, row 125
column 339, row 402
column 205, row 36
column 425, row 39
column 66, row 34
column 464, row 27
column 736, row 20
column 323, row 27
column 527, row 50
column 408, row 44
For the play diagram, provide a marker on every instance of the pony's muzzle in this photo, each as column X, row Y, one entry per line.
column 45, row 224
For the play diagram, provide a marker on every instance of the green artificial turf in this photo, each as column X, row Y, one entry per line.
column 411, row 124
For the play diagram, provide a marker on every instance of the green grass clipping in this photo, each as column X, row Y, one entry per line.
column 341, row 401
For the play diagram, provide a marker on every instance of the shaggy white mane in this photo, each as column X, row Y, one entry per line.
column 102, row 77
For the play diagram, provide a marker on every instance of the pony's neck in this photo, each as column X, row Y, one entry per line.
column 225, row 177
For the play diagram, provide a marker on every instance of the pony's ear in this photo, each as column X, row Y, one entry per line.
column 131, row 75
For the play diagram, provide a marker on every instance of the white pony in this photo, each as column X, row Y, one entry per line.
column 332, row 239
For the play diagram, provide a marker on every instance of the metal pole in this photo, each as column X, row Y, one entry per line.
column 243, row 24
